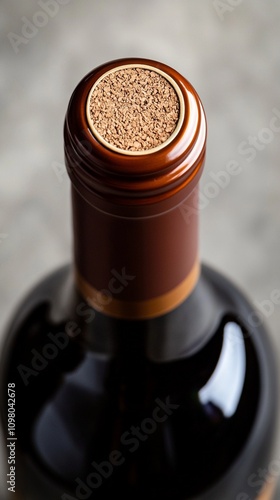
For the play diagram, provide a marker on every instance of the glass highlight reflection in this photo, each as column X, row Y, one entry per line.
column 225, row 386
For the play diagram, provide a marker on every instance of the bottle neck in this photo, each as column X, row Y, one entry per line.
column 136, row 252
column 135, row 268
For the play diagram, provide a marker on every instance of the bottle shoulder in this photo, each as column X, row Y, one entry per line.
column 214, row 297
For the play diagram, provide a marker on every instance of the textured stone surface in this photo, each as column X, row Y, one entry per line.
column 234, row 65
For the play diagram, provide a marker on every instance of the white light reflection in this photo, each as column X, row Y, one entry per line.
column 225, row 386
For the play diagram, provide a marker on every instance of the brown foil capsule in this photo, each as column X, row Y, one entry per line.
column 136, row 257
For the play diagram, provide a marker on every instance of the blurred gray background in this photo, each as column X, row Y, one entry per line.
column 229, row 50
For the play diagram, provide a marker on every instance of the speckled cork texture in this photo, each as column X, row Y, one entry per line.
column 134, row 109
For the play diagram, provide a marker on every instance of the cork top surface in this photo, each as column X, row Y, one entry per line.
column 133, row 109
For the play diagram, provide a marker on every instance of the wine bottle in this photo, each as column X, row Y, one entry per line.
column 137, row 371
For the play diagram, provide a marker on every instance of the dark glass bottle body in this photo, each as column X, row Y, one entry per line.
column 108, row 407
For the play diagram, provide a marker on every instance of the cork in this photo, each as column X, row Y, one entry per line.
column 135, row 110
